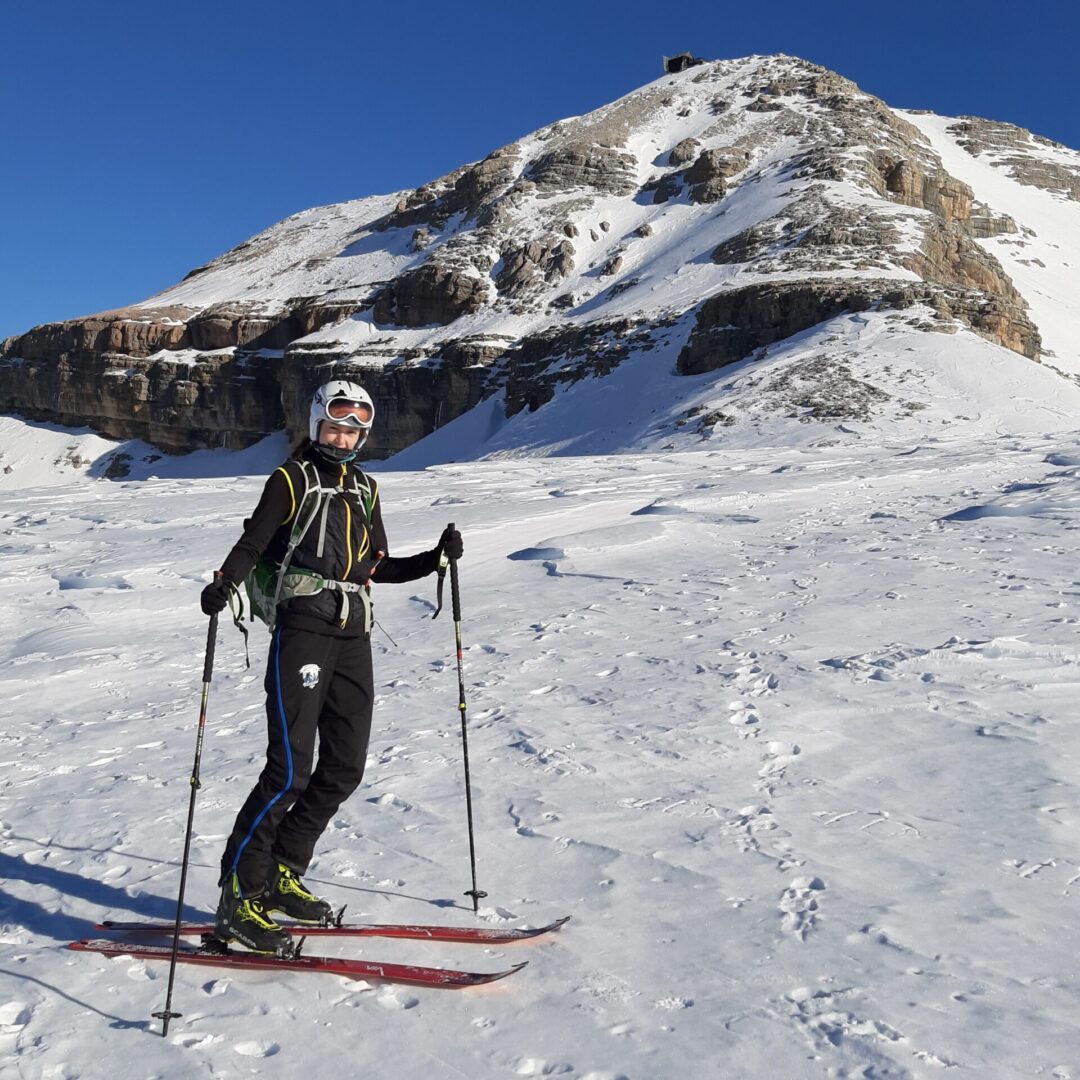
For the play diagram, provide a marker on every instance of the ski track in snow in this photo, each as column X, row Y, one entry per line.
column 787, row 732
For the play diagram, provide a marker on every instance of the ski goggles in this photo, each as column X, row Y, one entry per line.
column 358, row 414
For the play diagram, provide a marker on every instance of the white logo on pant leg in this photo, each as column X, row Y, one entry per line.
column 309, row 676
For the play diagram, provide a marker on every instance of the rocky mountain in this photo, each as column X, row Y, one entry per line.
column 703, row 223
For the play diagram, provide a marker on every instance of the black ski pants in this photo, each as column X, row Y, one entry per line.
column 315, row 684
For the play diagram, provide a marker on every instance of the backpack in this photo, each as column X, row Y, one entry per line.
column 270, row 584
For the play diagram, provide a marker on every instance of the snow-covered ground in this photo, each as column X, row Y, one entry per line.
column 789, row 732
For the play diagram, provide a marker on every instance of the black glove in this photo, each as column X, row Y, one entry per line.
column 215, row 597
column 450, row 544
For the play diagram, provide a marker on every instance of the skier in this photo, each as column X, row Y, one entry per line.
column 307, row 555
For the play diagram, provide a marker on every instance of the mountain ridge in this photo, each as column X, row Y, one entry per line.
column 744, row 201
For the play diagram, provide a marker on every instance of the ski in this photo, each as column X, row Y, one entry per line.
column 479, row 935
column 407, row 974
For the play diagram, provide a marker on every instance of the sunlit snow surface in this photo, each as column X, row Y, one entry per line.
column 789, row 733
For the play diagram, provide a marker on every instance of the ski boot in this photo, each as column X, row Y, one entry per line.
column 245, row 919
column 285, row 892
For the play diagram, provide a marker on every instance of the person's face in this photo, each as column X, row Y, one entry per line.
column 338, row 436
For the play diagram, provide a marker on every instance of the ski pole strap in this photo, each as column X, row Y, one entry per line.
column 444, row 562
column 237, row 611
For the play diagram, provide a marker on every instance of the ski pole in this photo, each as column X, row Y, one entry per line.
column 167, row 1014
column 474, row 892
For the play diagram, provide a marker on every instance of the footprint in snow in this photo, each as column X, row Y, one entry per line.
column 673, row 1003
column 536, row 554
column 743, row 713
column 14, row 1015
column 83, row 580
column 774, row 763
column 395, row 999
column 390, row 799
column 257, row 1048
column 799, row 905
column 194, row 1042
column 830, row 1026
column 541, row 1067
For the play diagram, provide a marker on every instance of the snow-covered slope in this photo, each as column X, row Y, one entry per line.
column 854, row 379
column 309, row 254
column 788, row 732
column 1043, row 260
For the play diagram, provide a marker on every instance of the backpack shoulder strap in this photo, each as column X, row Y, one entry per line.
column 367, row 491
column 295, row 477
column 307, row 506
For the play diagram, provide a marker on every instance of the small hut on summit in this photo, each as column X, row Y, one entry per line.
column 681, row 62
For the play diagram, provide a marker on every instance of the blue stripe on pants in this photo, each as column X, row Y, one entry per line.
column 288, row 754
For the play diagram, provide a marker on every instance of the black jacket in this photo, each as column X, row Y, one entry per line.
column 344, row 547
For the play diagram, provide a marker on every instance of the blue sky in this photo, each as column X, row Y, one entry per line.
column 142, row 139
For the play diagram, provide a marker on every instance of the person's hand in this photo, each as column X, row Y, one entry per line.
column 450, row 544
column 214, row 597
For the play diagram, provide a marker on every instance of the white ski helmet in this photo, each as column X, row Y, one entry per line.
column 341, row 402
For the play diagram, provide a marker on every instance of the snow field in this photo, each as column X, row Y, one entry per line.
column 785, row 731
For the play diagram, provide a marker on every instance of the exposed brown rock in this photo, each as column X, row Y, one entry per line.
column 709, row 172
column 141, row 332
column 465, row 190
column 985, row 222
column 612, row 266
column 735, row 322
column 178, row 406
column 937, row 192
column 601, row 168
column 841, row 227
column 431, row 294
column 732, row 324
column 545, row 261
column 684, row 152
column 949, row 256
column 537, row 364
column 747, row 245
column 1012, row 147
column 813, row 235
column 809, row 80
column 663, row 188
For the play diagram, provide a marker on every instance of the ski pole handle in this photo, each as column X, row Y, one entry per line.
column 455, row 596
column 211, row 639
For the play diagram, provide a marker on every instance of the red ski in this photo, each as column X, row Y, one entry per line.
column 479, row 935
column 408, row 974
